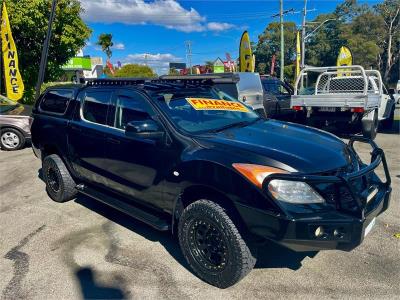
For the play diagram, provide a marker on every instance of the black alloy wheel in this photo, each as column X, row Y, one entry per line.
column 208, row 245
column 212, row 244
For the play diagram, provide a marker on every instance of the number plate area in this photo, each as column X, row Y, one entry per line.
column 369, row 227
column 327, row 109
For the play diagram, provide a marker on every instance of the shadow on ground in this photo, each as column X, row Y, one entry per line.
column 91, row 290
column 270, row 255
column 395, row 129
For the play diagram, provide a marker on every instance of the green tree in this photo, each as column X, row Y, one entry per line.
column 29, row 20
column 372, row 34
column 389, row 10
column 105, row 42
column 173, row 71
column 322, row 47
column 364, row 37
column 135, row 70
column 262, row 68
column 209, row 63
column 269, row 44
column 350, row 9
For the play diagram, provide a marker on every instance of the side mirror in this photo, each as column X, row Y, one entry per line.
column 146, row 129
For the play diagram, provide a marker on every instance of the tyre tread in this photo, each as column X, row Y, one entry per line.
column 244, row 258
column 68, row 184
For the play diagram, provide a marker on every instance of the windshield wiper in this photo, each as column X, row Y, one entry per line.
column 237, row 124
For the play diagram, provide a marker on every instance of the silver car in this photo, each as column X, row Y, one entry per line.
column 15, row 124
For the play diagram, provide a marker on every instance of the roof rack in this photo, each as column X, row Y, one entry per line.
column 203, row 78
column 183, row 81
column 166, row 80
column 116, row 81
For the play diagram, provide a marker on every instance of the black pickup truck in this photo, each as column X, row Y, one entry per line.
column 184, row 157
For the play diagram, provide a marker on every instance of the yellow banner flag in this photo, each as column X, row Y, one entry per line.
column 12, row 76
column 246, row 59
column 298, row 54
column 344, row 59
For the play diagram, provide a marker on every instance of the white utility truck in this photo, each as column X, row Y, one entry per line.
column 346, row 96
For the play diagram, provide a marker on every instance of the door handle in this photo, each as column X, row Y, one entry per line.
column 76, row 128
column 113, row 141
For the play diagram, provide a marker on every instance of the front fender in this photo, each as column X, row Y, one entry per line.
column 212, row 176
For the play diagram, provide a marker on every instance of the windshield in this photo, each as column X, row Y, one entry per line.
column 275, row 88
column 192, row 110
column 7, row 105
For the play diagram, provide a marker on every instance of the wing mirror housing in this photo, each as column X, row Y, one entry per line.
column 145, row 129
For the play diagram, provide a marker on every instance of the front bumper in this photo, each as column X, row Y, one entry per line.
column 341, row 229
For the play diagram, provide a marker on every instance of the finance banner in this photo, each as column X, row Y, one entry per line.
column 12, row 76
column 298, row 54
column 214, row 104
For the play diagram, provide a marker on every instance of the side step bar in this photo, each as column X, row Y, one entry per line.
column 126, row 208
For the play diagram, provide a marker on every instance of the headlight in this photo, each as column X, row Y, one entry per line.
column 256, row 173
column 294, row 192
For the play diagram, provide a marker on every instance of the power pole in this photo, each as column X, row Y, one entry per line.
column 281, row 14
column 303, row 36
column 282, row 74
column 45, row 51
column 189, row 55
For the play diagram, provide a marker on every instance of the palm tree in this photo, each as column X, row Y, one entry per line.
column 105, row 41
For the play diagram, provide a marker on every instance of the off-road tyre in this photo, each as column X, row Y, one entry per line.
column 236, row 259
column 60, row 185
column 19, row 143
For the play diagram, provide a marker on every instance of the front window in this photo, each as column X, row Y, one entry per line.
column 131, row 107
column 189, row 109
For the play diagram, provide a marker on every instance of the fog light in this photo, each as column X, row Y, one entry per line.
column 338, row 233
column 319, row 232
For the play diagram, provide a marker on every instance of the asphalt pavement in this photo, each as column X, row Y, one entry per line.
column 83, row 249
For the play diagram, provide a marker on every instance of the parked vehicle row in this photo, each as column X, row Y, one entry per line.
column 183, row 156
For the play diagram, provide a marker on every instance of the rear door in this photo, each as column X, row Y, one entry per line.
column 86, row 134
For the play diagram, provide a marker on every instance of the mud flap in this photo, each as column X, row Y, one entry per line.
column 369, row 124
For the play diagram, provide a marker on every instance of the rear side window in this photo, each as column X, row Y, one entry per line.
column 95, row 106
column 56, row 101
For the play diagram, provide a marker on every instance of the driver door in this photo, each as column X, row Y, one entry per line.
column 133, row 164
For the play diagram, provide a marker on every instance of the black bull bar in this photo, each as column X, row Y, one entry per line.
column 377, row 157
